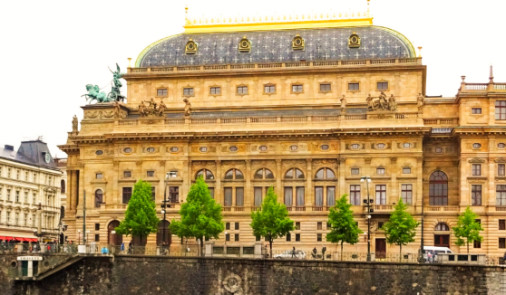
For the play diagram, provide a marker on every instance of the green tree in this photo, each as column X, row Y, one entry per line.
column 271, row 220
column 343, row 227
column 400, row 229
column 467, row 229
column 140, row 216
column 200, row 215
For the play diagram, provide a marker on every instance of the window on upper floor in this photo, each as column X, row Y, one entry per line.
column 150, row 173
column 325, row 87
column 476, row 169
column 438, row 189
column 476, row 111
column 355, row 171
column 269, row 88
column 407, row 193
column 294, row 173
column 215, row 90
column 382, row 85
column 161, row 92
column 126, row 194
column 206, row 174
column 381, row 194
column 353, row 86
column 325, row 173
column 188, row 91
column 476, row 195
column 500, row 110
column 234, row 174
column 242, row 90
column 264, row 173
column 297, row 88
column 500, row 195
column 355, row 194
column 380, row 171
column 500, row 169
column 406, row 170
column 127, row 174
column 502, row 224
column 99, row 175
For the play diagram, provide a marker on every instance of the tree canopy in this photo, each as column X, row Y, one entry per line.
column 343, row 227
column 467, row 229
column 200, row 215
column 140, row 216
column 272, row 220
column 400, row 229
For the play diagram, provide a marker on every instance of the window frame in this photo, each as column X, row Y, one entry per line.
column 237, row 92
column 380, row 194
column 188, row 91
column 382, row 83
column 407, row 193
column 324, row 90
column 215, row 90
column 500, row 109
column 476, row 169
column 351, row 86
column 269, row 89
column 162, row 92
column 297, row 88
column 476, row 195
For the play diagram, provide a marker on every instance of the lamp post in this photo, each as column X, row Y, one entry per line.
column 164, row 211
column 368, row 203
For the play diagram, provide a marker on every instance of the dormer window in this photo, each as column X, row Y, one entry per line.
column 191, row 47
column 354, row 41
column 298, row 43
column 244, row 45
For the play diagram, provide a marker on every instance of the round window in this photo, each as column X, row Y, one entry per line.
column 501, row 145
column 203, row 149
column 381, row 146
column 294, row 147
column 150, row 149
column 99, row 152
column 438, row 150
column 476, row 145
column 263, row 148
column 355, row 146
column 233, row 148
column 324, row 147
column 127, row 150
column 406, row 145
column 174, row 149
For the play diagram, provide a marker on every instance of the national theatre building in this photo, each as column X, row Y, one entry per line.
column 310, row 107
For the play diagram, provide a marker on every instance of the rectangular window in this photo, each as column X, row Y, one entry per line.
column 239, row 196
column 476, row 195
column 331, row 196
column 382, row 85
column 300, row 196
column 174, row 194
column 297, row 88
column 476, row 111
column 500, row 169
column 502, row 224
column 288, row 196
column 227, row 225
column 319, row 225
column 188, row 91
column 380, row 171
column 318, row 237
column 99, row 175
column 297, row 225
column 269, row 88
column 127, row 194
column 127, row 174
column 97, row 226
column 288, row 237
column 297, row 237
column 150, row 173
column 237, row 226
column 407, row 193
column 406, row 170
column 97, row 238
column 242, row 90
column 228, row 197
column 236, row 237
column 355, row 171
column 477, row 244
column 501, row 195
column 355, row 86
column 355, row 195
column 161, row 92
column 258, row 196
column 215, row 90
column 325, row 87
column 227, row 237
column 500, row 110
column 381, row 194
column 476, row 169
column 318, row 194
column 502, row 243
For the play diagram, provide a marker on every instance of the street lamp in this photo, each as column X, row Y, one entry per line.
column 164, row 211
column 368, row 203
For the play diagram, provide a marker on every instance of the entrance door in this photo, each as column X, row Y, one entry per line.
column 442, row 240
column 381, row 248
column 114, row 239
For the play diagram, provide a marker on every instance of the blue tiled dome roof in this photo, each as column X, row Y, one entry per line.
column 276, row 46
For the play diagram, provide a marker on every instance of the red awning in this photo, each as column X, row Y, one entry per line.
column 6, row 238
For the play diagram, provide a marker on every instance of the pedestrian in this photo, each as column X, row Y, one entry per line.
column 130, row 247
column 293, row 252
column 429, row 256
column 324, row 249
column 313, row 254
column 122, row 247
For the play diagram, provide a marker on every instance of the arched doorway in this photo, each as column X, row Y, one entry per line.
column 113, row 238
column 163, row 234
column 442, row 235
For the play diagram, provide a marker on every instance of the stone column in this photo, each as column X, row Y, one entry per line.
column 218, row 191
column 309, row 183
column 248, row 192
column 279, row 176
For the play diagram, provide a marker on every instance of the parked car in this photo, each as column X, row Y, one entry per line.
column 288, row 254
column 434, row 251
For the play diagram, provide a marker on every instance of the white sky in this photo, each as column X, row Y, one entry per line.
column 51, row 49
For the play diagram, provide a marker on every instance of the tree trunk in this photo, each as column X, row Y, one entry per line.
column 270, row 247
column 139, row 244
column 201, row 246
column 467, row 247
column 400, row 252
column 341, row 251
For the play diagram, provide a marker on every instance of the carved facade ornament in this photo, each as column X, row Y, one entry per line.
column 343, row 104
column 74, row 125
column 381, row 103
column 500, row 160
column 191, row 47
column 476, row 160
column 187, row 107
column 232, row 283
column 151, row 108
column 298, row 43
column 354, row 41
column 244, row 45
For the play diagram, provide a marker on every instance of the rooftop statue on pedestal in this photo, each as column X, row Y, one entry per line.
column 94, row 92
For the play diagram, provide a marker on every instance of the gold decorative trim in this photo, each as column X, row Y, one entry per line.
column 354, row 41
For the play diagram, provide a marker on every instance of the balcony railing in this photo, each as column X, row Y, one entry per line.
column 442, row 208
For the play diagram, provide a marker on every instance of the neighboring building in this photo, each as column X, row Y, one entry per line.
column 61, row 163
column 29, row 193
column 309, row 107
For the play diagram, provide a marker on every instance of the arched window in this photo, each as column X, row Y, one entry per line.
column 442, row 227
column 264, row 173
column 99, row 198
column 325, row 173
column 438, row 189
column 62, row 186
column 294, row 173
column 206, row 174
column 234, row 174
